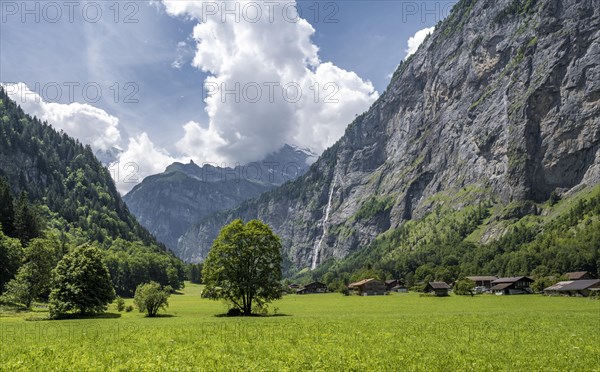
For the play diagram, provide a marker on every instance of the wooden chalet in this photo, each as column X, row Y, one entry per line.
column 314, row 287
column 581, row 287
column 439, row 288
column 368, row 287
column 580, row 275
column 392, row 283
column 512, row 285
column 482, row 281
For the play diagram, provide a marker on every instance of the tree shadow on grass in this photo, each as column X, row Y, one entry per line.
column 78, row 316
column 226, row 315
column 161, row 316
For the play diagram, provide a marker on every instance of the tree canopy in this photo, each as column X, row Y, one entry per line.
column 80, row 283
column 150, row 298
column 243, row 266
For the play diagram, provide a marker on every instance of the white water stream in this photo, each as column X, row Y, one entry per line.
column 317, row 248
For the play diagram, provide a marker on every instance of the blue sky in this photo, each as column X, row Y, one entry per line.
column 164, row 98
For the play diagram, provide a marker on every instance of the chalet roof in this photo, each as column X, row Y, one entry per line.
column 481, row 278
column 574, row 285
column 577, row 275
column 399, row 286
column 318, row 284
column 501, row 286
column 392, row 281
column 439, row 285
column 513, row 279
column 361, row 283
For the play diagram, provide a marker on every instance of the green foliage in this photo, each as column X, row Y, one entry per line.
column 7, row 212
column 67, row 192
column 464, row 287
column 65, row 176
column 543, row 282
column 150, row 298
column 194, row 273
column 27, row 224
column 120, row 302
column 11, row 254
column 20, row 289
column 32, row 281
column 244, row 265
column 133, row 263
column 374, row 206
column 80, row 283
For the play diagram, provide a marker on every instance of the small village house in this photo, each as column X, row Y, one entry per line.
column 512, row 285
column 439, row 288
column 314, row 287
column 393, row 283
column 579, row 275
column 482, row 281
column 368, row 287
column 574, row 287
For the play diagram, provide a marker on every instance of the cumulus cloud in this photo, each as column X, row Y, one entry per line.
column 266, row 82
column 87, row 123
column 417, row 39
column 141, row 159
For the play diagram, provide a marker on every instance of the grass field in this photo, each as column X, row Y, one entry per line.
column 400, row 332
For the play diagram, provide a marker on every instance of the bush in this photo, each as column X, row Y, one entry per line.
column 464, row 287
column 128, row 308
column 150, row 298
column 120, row 302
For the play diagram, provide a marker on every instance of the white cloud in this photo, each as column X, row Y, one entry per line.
column 417, row 39
column 141, row 159
column 87, row 123
column 254, row 53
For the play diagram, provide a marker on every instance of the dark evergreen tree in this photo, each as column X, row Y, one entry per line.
column 27, row 222
column 7, row 213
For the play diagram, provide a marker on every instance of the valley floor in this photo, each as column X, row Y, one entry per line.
column 318, row 332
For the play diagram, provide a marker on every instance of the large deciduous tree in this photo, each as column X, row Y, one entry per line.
column 243, row 266
column 81, row 283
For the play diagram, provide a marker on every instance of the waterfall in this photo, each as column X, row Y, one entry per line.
column 317, row 248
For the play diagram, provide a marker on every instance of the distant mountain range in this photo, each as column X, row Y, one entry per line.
column 169, row 202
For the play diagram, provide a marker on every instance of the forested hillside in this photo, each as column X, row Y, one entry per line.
column 54, row 193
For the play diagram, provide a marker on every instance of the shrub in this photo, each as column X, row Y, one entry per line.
column 128, row 308
column 120, row 302
column 150, row 298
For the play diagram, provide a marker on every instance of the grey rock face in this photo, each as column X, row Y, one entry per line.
column 168, row 203
column 504, row 95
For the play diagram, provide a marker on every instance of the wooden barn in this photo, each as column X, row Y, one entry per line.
column 482, row 280
column 574, row 287
column 511, row 286
column 439, row 288
column 368, row 287
column 580, row 275
column 393, row 283
column 314, row 287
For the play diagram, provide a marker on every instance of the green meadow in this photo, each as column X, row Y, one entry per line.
column 402, row 332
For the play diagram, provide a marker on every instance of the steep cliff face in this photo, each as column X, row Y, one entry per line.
column 168, row 203
column 504, row 97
